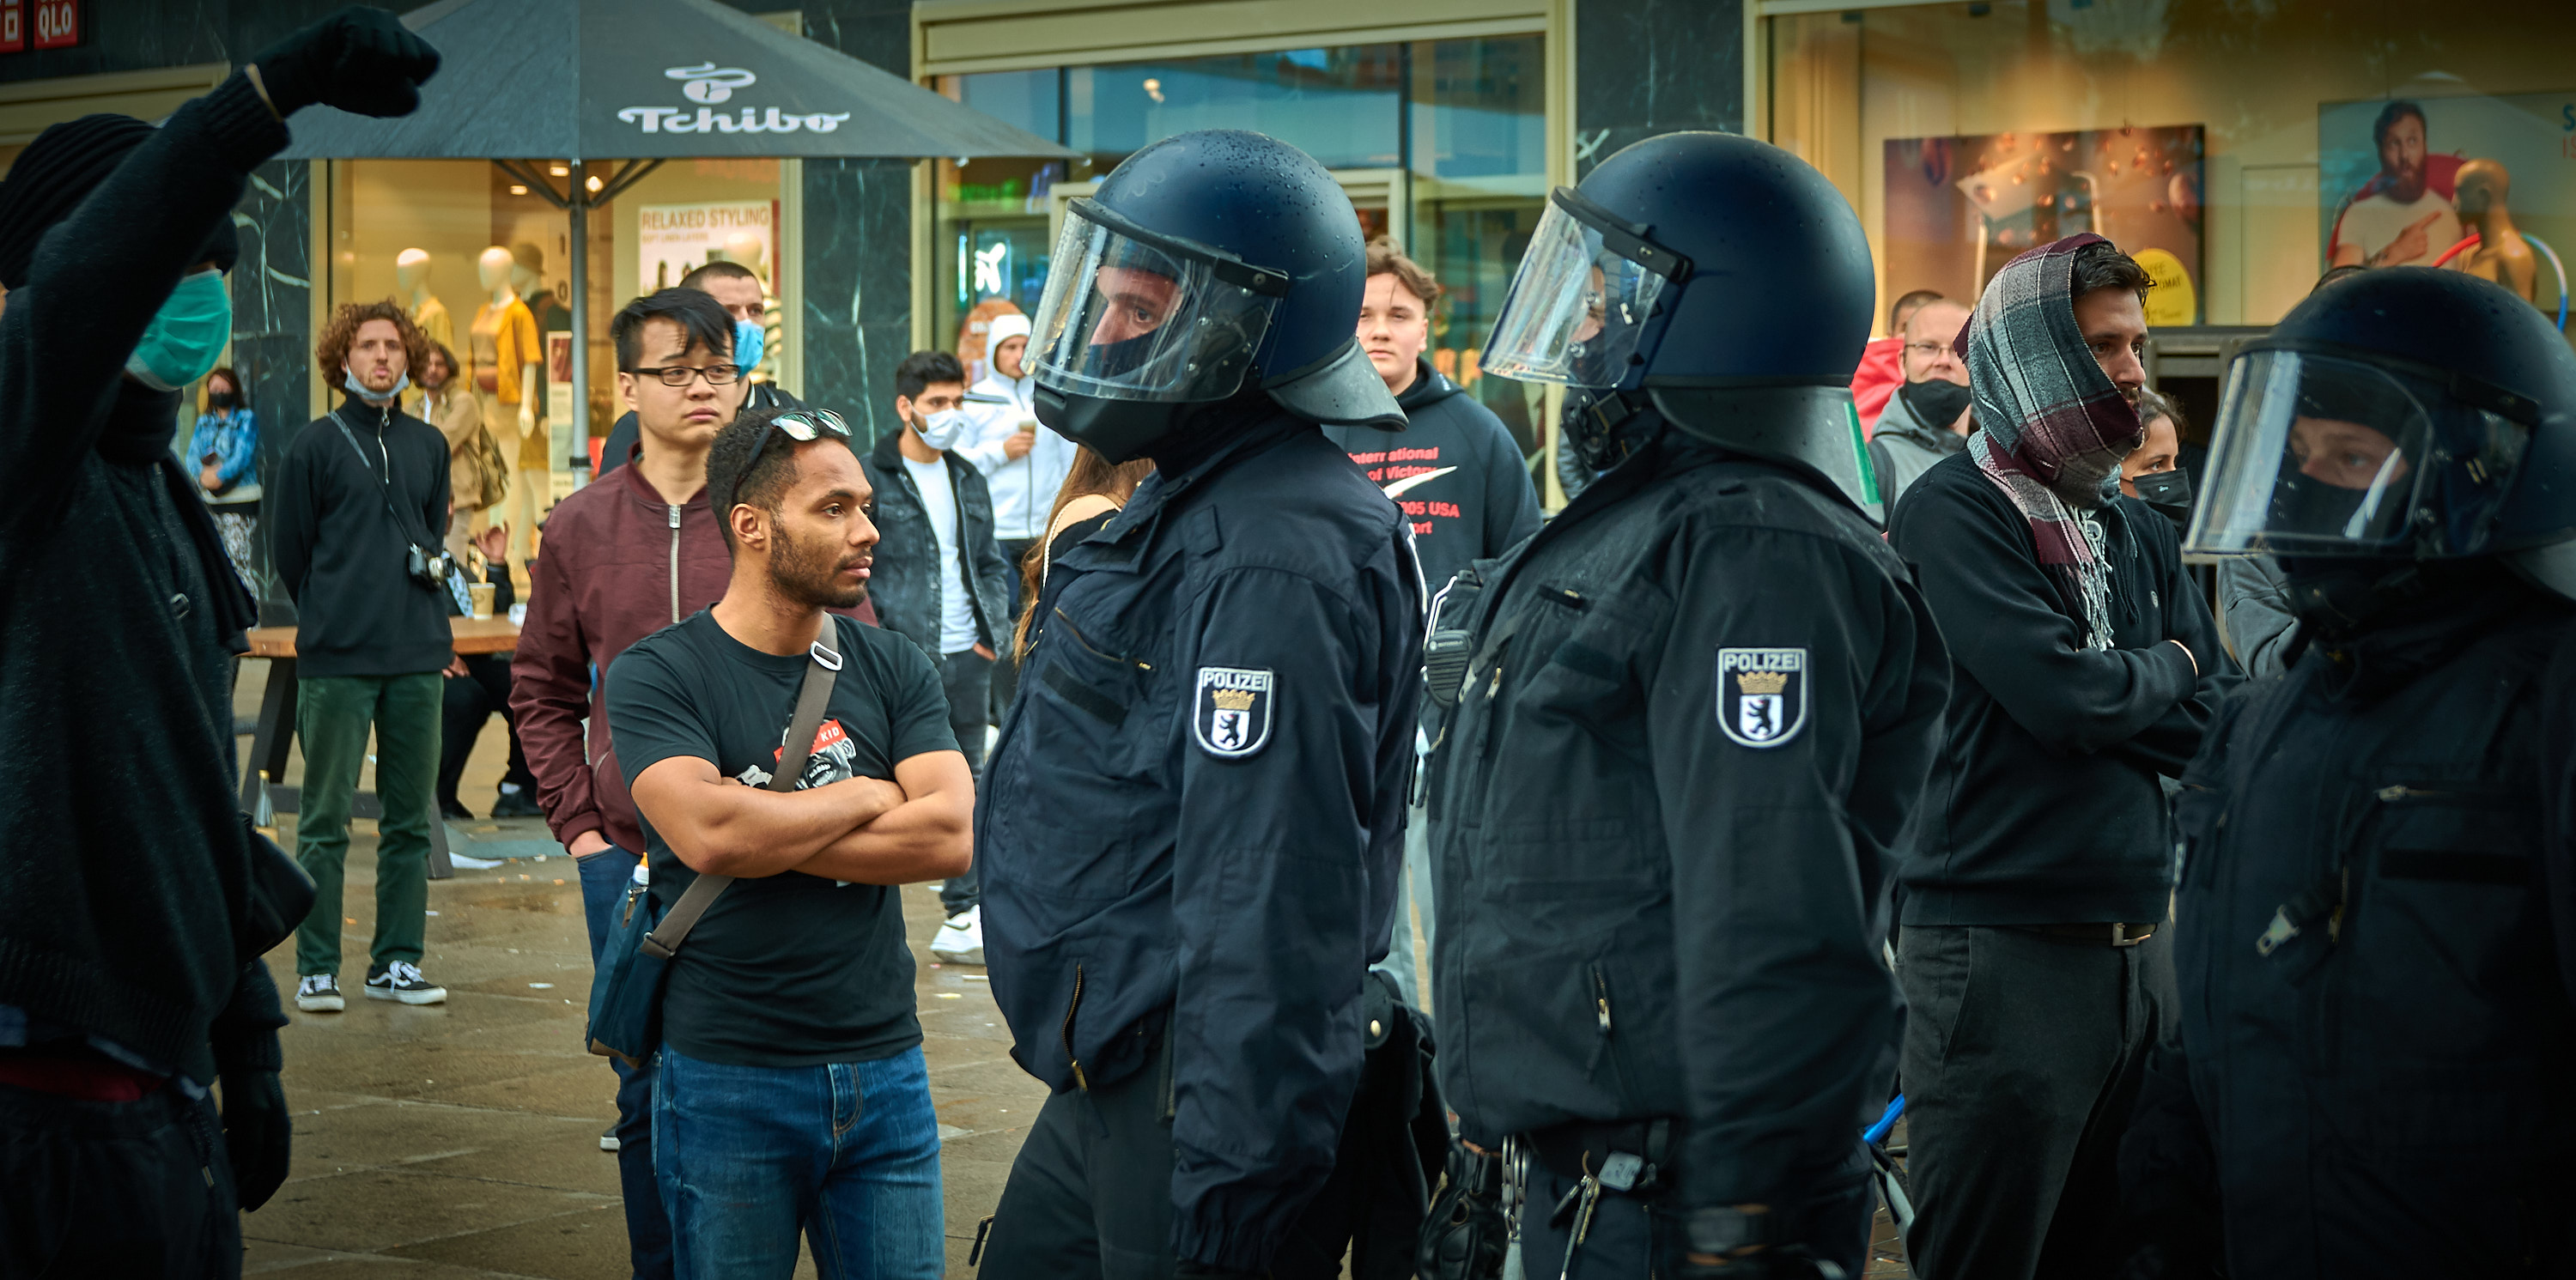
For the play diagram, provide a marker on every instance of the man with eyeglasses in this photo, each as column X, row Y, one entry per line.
column 1927, row 419
column 737, row 289
column 624, row 557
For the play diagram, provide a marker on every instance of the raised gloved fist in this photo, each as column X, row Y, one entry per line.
column 360, row 59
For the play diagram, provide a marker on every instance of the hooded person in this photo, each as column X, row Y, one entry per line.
column 135, row 901
column 2086, row 668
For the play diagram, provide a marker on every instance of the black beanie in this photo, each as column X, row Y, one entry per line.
column 57, row 171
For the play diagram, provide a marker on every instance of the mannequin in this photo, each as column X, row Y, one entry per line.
column 505, row 381
column 2501, row 255
column 411, row 280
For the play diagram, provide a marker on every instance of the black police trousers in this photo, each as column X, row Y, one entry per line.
column 139, row 1190
column 1631, row 1238
column 1091, row 1193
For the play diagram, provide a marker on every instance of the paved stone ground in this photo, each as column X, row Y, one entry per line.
column 461, row 1141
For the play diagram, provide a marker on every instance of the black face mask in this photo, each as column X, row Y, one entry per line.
column 2307, row 505
column 223, row 399
column 2169, row 492
column 1935, row 403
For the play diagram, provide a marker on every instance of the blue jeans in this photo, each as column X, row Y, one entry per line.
column 604, row 877
column 847, row 1153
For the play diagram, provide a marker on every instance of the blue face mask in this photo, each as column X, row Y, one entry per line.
column 187, row 336
column 349, row 379
column 748, row 342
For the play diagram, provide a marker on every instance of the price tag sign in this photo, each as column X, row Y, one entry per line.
column 57, row 23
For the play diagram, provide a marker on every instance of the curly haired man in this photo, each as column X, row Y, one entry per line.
column 360, row 507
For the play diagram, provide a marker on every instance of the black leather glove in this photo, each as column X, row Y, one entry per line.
column 1465, row 1234
column 359, row 59
column 258, row 1132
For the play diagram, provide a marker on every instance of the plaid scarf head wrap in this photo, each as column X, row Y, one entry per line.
column 2042, row 400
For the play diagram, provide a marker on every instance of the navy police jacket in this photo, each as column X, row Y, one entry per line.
column 1695, row 712
column 2375, row 942
column 1211, row 742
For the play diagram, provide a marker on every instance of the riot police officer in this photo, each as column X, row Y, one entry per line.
column 2376, row 923
column 1195, row 813
column 1689, row 716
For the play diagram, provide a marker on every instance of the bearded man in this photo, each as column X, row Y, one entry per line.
column 2085, row 666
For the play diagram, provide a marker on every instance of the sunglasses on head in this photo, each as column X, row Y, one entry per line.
column 804, row 426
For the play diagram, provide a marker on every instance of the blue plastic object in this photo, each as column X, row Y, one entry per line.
column 2561, row 267
column 1877, row 1133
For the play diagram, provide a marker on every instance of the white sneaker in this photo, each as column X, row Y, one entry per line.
column 401, row 981
column 319, row 993
column 961, row 940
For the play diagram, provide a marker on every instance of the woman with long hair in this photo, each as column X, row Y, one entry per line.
column 225, row 447
column 1090, row 498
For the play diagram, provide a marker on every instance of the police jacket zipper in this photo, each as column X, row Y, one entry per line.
column 675, row 563
column 1080, row 639
column 1076, row 1063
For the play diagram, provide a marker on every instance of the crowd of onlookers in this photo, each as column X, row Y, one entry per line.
column 965, row 494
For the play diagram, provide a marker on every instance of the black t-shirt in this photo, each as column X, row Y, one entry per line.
column 789, row 970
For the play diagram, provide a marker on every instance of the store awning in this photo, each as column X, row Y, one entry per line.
column 650, row 79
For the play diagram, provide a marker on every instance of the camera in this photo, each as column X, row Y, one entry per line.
column 429, row 569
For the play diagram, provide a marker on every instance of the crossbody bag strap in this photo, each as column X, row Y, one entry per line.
column 385, row 482
column 821, row 669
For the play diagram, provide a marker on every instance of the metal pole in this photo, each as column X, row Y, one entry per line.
column 578, row 210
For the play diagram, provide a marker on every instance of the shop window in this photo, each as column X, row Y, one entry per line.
column 989, row 236
column 1478, row 162
column 1337, row 105
column 2237, row 152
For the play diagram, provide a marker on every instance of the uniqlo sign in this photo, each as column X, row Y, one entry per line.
column 13, row 26
column 56, row 23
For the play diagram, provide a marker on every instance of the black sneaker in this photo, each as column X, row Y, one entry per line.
column 319, row 993
column 450, row 809
column 521, row 803
column 401, row 981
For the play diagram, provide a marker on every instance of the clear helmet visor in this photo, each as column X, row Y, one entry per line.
column 1576, row 309
column 2320, row 455
column 1128, row 315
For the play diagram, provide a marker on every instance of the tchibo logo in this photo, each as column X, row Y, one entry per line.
column 708, row 83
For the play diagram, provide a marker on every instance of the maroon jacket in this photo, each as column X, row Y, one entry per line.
column 619, row 564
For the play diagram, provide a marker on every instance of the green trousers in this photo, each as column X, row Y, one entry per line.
column 332, row 715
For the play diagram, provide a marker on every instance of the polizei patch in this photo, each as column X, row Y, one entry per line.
column 1761, row 695
column 1232, row 711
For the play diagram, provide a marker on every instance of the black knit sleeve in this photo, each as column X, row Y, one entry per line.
column 99, row 276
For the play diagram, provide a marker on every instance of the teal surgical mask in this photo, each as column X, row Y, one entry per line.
column 187, row 336
column 749, row 339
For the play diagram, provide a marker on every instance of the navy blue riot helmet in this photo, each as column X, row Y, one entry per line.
column 1208, row 264
column 1715, row 280
column 2400, row 415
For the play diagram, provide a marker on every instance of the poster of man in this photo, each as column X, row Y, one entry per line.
column 2476, row 184
column 1959, row 208
column 2404, row 216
